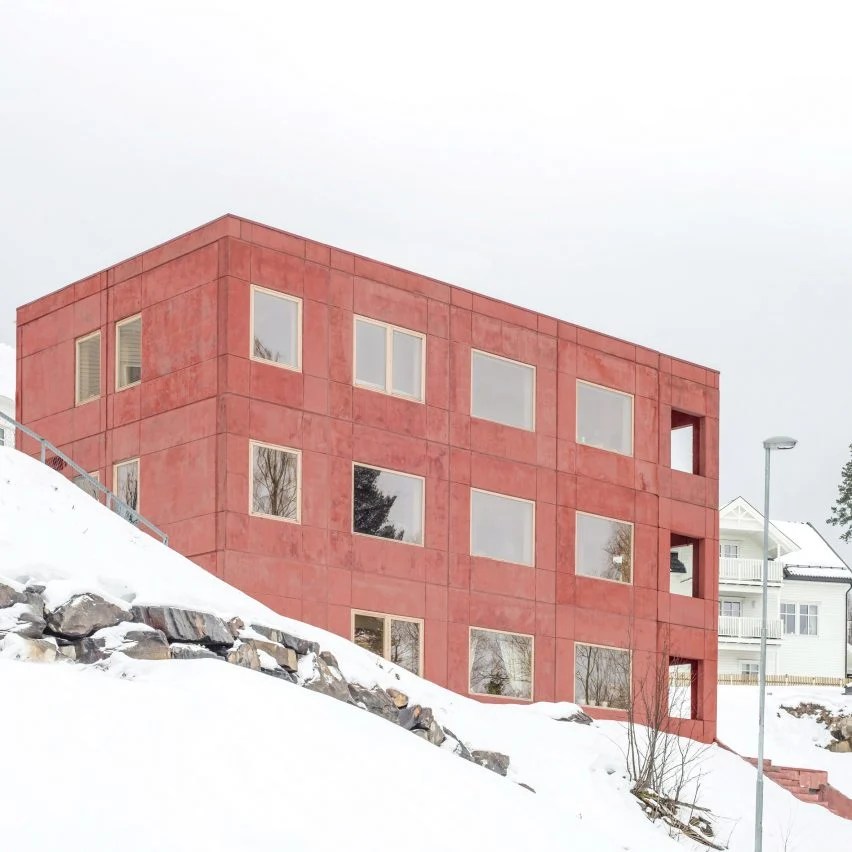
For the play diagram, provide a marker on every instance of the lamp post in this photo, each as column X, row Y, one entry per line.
column 770, row 444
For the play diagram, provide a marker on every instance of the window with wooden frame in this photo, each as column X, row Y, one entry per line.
column 387, row 504
column 501, row 663
column 128, row 352
column 602, row 676
column 389, row 359
column 125, row 485
column 604, row 418
column 604, row 548
column 397, row 638
column 502, row 390
column 85, row 484
column 275, row 482
column 87, row 385
column 808, row 620
column 276, row 328
column 788, row 618
column 502, row 527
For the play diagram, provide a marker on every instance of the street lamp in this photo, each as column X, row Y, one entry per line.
column 770, row 444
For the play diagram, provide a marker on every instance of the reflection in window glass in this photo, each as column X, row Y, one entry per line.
column 276, row 328
column 407, row 363
column 788, row 618
column 808, row 614
column 126, row 482
column 502, row 527
column 370, row 354
column 604, row 418
column 129, row 349
column 405, row 644
column 682, row 563
column 370, row 633
column 502, row 391
column 275, row 482
column 387, row 504
column 396, row 639
column 86, row 484
column 601, row 676
column 501, row 664
column 88, row 368
column 604, row 548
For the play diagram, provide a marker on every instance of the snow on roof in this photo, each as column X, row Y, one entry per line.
column 815, row 559
column 7, row 371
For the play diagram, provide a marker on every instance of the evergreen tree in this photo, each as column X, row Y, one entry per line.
column 372, row 506
column 841, row 511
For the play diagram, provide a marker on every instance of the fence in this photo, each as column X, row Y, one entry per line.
column 780, row 680
column 59, row 461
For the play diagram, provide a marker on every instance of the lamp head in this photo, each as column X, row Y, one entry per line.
column 779, row 442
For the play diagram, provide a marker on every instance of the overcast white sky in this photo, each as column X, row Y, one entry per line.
column 679, row 174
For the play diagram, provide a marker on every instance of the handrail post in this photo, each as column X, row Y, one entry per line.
column 43, row 451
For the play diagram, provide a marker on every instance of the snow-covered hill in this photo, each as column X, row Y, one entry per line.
column 7, row 371
column 200, row 755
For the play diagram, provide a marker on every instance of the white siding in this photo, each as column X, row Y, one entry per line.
column 731, row 658
column 821, row 655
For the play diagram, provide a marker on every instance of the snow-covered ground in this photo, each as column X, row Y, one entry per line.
column 7, row 371
column 205, row 755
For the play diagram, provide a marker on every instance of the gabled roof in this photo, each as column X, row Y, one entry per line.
column 741, row 515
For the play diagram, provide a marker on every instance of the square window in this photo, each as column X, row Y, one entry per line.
column 729, row 550
column 88, row 379
column 85, row 484
column 808, row 618
column 604, row 418
column 501, row 663
column 387, row 504
column 602, row 676
column 731, row 609
column 750, row 671
column 502, row 390
column 389, row 359
column 126, row 488
column 604, row 548
column 502, row 527
column 276, row 328
column 396, row 638
column 128, row 349
column 683, row 677
column 275, row 482
column 684, row 566
column 788, row 618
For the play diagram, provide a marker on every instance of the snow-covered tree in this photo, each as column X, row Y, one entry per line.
column 841, row 511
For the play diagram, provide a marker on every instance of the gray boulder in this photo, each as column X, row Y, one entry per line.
column 25, row 618
column 414, row 717
column 843, row 747
column 844, row 725
column 82, row 615
column 185, row 625
column 328, row 680
column 454, row 744
column 375, row 701
column 435, row 734
column 329, row 659
column 19, row 647
column 300, row 646
column 128, row 638
column 285, row 657
column 492, row 760
column 186, row 651
column 579, row 718
column 235, row 625
column 243, row 654
column 400, row 699
column 10, row 595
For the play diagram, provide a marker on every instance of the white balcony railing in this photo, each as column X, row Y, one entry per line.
column 748, row 571
column 732, row 627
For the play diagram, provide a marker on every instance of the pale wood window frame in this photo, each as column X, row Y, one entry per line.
column 118, row 327
column 577, row 571
column 529, row 636
column 389, row 330
column 530, row 564
column 292, row 451
column 386, row 633
column 257, row 288
column 422, row 504
column 510, row 361
column 632, row 399
column 77, row 342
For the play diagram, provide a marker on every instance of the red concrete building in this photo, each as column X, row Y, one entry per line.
column 480, row 492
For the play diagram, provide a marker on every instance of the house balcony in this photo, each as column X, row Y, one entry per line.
column 735, row 629
column 749, row 572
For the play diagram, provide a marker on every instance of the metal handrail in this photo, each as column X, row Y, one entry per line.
column 113, row 501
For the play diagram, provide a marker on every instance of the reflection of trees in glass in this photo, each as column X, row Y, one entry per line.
column 274, row 481
column 128, row 486
column 619, row 547
column 263, row 351
column 501, row 664
column 370, row 633
column 371, row 506
column 602, row 676
column 405, row 644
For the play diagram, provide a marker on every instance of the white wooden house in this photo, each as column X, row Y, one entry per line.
column 807, row 588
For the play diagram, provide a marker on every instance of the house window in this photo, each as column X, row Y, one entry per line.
column 788, row 618
column 502, row 390
column 685, row 442
column 808, row 617
column 85, row 484
column 389, row 359
column 88, row 381
column 601, row 676
column 128, row 352
column 604, row 548
column 276, row 328
column 684, row 565
column 604, row 418
column 749, row 669
column 502, row 527
column 275, row 474
column 126, row 486
column 396, row 638
column 683, row 676
column 732, row 609
column 387, row 504
column 729, row 550
column 501, row 663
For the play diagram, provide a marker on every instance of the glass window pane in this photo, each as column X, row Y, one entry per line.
column 85, row 484
column 129, row 347
column 681, row 449
column 388, row 505
column 604, row 548
column 502, row 391
column 89, row 368
column 405, row 644
column 127, row 484
column 370, row 355
column 370, row 633
column 276, row 329
column 275, row 478
column 407, row 364
column 604, row 418
column 502, row 527
column 501, row 664
column 601, row 676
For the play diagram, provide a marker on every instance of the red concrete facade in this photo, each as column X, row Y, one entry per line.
column 202, row 399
